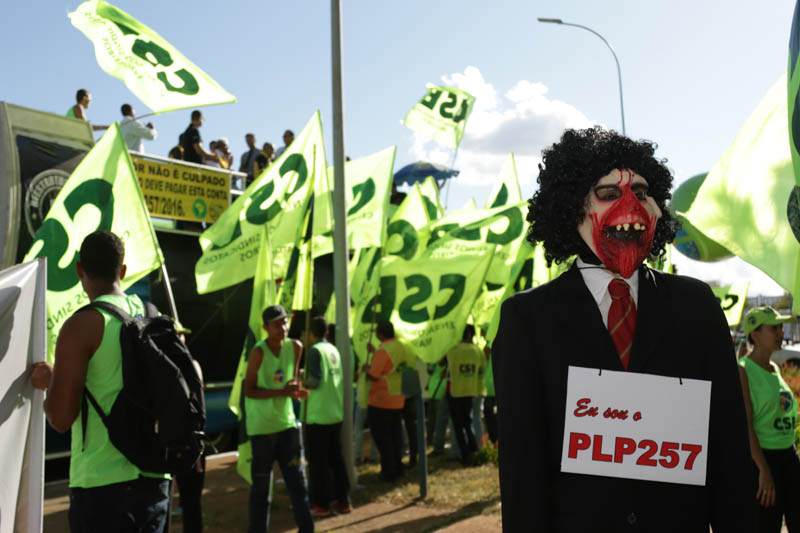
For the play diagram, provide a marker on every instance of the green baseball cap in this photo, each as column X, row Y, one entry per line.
column 758, row 316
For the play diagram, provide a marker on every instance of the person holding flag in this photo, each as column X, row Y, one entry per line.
column 771, row 418
column 269, row 386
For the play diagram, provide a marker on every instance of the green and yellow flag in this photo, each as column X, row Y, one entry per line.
column 748, row 203
column 368, row 185
column 441, row 115
column 793, row 93
column 101, row 194
column 156, row 72
column 278, row 198
column 428, row 300
column 731, row 299
column 430, row 195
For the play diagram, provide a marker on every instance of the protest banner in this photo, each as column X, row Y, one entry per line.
column 428, row 300
column 793, row 92
column 441, row 115
column 154, row 70
column 368, row 183
column 22, row 343
column 181, row 191
column 748, row 203
column 101, row 194
column 278, row 198
column 731, row 299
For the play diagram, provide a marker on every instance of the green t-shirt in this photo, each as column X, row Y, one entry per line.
column 466, row 364
column 325, row 404
column 774, row 406
column 265, row 416
column 99, row 463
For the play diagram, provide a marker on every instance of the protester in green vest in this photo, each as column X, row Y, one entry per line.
column 771, row 416
column 324, row 415
column 84, row 99
column 386, row 400
column 270, row 385
column 466, row 364
column 107, row 492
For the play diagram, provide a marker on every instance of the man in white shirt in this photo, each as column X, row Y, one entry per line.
column 134, row 131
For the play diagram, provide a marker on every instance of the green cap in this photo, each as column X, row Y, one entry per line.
column 759, row 316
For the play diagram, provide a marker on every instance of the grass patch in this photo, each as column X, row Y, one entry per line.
column 450, row 485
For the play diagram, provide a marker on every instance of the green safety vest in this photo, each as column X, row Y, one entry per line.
column 325, row 404
column 466, row 364
column 265, row 416
column 488, row 379
column 97, row 462
column 400, row 359
column 774, row 406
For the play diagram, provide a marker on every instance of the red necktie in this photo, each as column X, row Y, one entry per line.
column 621, row 319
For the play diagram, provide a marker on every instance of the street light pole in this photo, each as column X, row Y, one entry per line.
column 619, row 70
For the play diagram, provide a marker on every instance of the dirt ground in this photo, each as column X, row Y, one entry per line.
column 388, row 509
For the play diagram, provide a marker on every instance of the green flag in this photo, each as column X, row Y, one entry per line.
column 427, row 299
column 506, row 188
column 101, row 194
column 748, row 202
column 162, row 77
column 263, row 295
column 430, row 195
column 278, row 198
column 441, row 115
column 732, row 298
column 368, row 184
column 793, row 93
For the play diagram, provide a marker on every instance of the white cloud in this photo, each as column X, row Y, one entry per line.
column 523, row 120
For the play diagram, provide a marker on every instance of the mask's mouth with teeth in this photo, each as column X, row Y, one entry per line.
column 626, row 232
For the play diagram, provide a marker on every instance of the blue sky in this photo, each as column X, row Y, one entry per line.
column 692, row 73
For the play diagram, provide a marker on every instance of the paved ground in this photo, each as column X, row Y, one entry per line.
column 225, row 509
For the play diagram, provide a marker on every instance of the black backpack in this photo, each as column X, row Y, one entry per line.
column 157, row 420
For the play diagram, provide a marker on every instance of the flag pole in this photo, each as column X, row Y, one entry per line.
column 340, row 247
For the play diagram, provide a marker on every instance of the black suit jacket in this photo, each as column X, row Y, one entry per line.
column 680, row 332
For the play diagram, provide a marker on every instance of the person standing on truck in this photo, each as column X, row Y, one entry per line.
column 192, row 143
column 134, row 131
column 106, row 491
column 84, row 99
column 270, row 385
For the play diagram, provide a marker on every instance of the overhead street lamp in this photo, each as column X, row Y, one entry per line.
column 619, row 71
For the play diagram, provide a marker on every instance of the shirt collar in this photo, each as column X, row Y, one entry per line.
column 597, row 279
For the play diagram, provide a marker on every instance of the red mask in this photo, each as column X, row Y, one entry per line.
column 623, row 225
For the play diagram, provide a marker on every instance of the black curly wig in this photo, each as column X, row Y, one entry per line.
column 569, row 169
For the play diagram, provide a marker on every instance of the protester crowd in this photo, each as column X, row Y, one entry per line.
column 294, row 387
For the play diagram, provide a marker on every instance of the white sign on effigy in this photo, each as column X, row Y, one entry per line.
column 22, row 342
column 636, row 426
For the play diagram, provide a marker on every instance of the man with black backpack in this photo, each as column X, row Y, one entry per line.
column 119, row 460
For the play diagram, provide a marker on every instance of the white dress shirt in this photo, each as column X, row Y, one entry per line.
column 134, row 131
column 597, row 278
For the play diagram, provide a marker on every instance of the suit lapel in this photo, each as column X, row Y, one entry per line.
column 580, row 324
column 653, row 299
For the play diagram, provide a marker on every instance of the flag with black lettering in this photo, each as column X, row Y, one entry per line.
column 441, row 115
column 101, row 194
column 154, row 70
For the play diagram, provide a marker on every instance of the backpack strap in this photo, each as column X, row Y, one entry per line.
column 85, row 413
column 109, row 308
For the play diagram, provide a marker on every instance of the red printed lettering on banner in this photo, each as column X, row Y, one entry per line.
column 583, row 408
column 669, row 452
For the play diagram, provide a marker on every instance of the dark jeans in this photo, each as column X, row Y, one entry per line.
column 461, row 415
column 785, row 468
column 489, row 404
column 137, row 506
column 326, row 460
column 410, row 421
column 285, row 448
column 387, row 431
column 190, row 489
